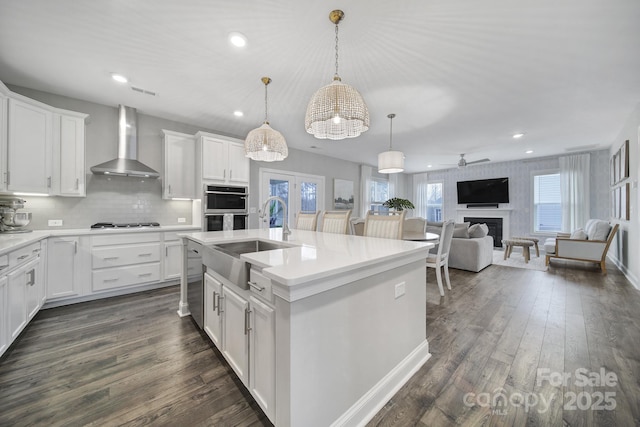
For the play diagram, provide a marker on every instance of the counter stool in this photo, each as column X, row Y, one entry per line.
column 533, row 239
column 510, row 243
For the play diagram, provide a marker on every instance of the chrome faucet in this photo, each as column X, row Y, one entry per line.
column 285, row 227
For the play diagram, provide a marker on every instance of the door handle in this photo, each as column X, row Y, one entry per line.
column 48, row 182
column 77, row 183
column 75, row 247
column 247, row 321
column 214, row 301
column 230, row 173
column 220, row 310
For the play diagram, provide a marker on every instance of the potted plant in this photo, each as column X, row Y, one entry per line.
column 398, row 204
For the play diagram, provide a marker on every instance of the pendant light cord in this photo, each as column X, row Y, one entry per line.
column 391, row 116
column 337, row 75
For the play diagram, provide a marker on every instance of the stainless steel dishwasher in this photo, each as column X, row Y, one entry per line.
column 195, row 284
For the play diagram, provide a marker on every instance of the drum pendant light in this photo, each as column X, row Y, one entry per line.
column 336, row 111
column 264, row 143
column 391, row 161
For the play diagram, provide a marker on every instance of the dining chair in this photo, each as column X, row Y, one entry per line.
column 336, row 222
column 415, row 225
column 440, row 260
column 385, row 226
column 357, row 226
column 306, row 221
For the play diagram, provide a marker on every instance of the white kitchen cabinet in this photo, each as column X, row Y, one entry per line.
column 4, row 107
column 25, row 295
column 63, row 267
column 172, row 260
column 179, row 179
column 123, row 260
column 212, row 310
column 221, row 159
column 262, row 354
column 34, row 287
column 29, row 147
column 235, row 331
column 69, row 177
column 4, row 327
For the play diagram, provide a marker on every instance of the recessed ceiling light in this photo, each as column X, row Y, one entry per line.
column 238, row 113
column 518, row 135
column 528, row 151
column 119, row 78
column 429, row 166
column 238, row 39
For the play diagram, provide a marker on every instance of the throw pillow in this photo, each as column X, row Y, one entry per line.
column 435, row 223
column 478, row 231
column 579, row 234
column 433, row 229
column 599, row 231
column 461, row 230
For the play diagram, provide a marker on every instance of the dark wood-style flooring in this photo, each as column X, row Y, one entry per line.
column 132, row 361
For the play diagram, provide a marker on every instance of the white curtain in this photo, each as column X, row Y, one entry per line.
column 420, row 181
column 574, row 191
column 365, row 184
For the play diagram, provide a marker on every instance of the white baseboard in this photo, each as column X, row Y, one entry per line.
column 371, row 402
column 623, row 268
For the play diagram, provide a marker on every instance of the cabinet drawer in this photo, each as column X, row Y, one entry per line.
column 125, row 238
column 22, row 255
column 260, row 285
column 114, row 256
column 112, row 278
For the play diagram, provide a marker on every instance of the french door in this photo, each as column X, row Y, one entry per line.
column 299, row 191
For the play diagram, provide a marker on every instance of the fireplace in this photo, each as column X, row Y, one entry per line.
column 495, row 228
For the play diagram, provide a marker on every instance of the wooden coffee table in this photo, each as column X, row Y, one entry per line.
column 532, row 239
column 510, row 243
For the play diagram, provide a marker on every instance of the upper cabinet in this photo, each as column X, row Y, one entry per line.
column 179, row 159
column 69, row 156
column 29, row 148
column 221, row 159
column 42, row 148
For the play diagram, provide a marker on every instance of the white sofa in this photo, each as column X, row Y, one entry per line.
column 466, row 253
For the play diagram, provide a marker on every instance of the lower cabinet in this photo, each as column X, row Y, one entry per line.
column 63, row 267
column 234, row 332
column 4, row 321
column 212, row 311
column 242, row 326
column 24, row 289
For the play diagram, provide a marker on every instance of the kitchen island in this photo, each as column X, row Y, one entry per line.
column 333, row 325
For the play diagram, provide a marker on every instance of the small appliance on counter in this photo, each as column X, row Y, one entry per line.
column 110, row 225
column 10, row 220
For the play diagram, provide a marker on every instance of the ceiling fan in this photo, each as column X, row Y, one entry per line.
column 462, row 162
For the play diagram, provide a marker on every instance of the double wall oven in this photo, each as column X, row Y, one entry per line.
column 225, row 208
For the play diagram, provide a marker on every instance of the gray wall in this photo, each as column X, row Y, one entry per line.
column 519, row 174
column 117, row 199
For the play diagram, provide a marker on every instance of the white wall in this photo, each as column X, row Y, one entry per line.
column 625, row 250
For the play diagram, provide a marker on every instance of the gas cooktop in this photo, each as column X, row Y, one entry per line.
column 125, row 225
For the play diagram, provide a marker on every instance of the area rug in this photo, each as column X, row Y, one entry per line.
column 516, row 260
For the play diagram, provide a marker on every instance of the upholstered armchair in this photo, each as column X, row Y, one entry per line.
column 590, row 244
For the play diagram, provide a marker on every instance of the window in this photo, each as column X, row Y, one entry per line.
column 434, row 201
column 547, row 210
column 378, row 194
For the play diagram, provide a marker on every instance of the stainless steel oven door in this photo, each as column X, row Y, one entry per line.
column 224, row 199
column 223, row 222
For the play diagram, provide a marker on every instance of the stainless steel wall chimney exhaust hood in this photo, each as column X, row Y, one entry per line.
column 127, row 163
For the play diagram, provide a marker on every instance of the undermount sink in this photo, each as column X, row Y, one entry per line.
column 224, row 258
column 238, row 248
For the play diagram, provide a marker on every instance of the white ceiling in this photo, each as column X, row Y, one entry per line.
column 461, row 75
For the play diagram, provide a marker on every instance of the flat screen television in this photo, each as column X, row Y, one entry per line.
column 494, row 190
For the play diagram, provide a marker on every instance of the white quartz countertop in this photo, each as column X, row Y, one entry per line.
column 317, row 256
column 9, row 242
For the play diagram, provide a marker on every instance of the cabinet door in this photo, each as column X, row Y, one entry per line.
column 16, row 302
column 172, row 260
column 234, row 332
column 4, row 106
column 179, row 163
column 214, row 159
column 239, row 165
column 33, row 286
column 262, row 355
column 212, row 312
column 71, row 155
column 4, row 327
column 30, row 142
column 62, row 263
